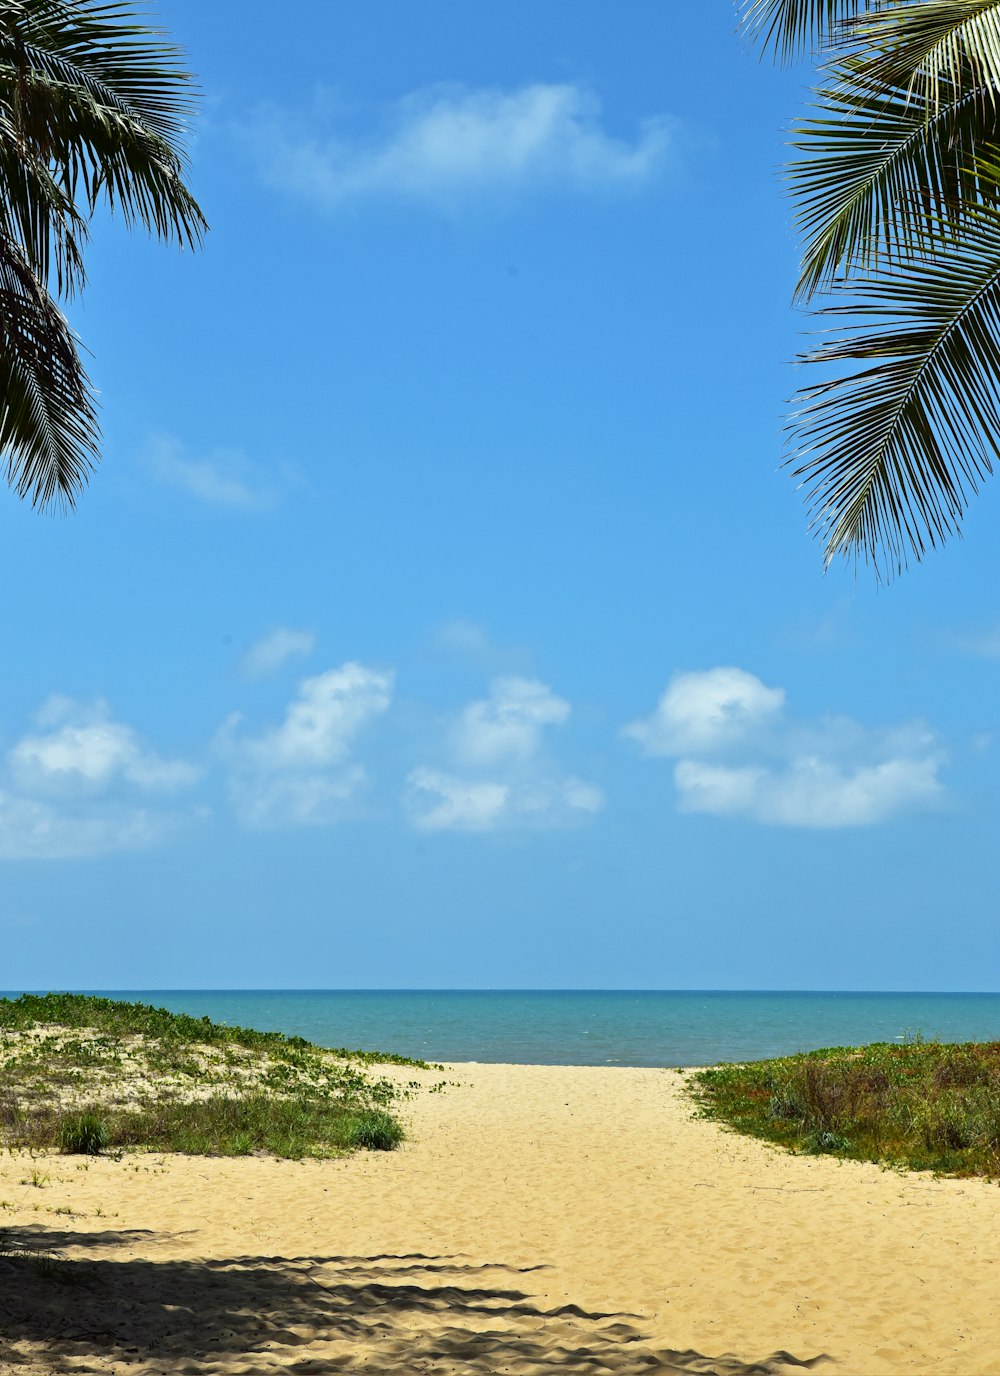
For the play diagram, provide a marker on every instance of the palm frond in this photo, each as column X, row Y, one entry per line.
column 891, row 452
column 885, row 174
column 935, row 48
column 793, row 28
column 105, row 102
column 48, row 421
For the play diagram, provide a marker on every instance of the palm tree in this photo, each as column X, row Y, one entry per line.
column 93, row 109
column 897, row 188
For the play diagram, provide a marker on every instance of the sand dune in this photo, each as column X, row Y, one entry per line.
column 539, row 1219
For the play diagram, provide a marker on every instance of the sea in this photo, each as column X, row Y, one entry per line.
column 588, row 1026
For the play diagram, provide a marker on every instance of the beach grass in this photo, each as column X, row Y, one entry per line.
column 84, row 1074
column 917, row 1105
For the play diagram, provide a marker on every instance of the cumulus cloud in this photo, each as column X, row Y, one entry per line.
column 32, row 829
column 84, row 750
column 811, row 792
column 742, row 757
column 445, row 802
column 503, row 734
column 69, row 788
column 273, row 651
column 706, row 711
column 300, row 772
column 509, row 723
column 222, row 478
column 446, row 143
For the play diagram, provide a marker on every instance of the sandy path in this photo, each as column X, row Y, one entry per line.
column 539, row 1219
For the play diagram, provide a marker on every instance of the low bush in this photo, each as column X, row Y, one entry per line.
column 921, row 1105
column 83, row 1134
column 377, row 1131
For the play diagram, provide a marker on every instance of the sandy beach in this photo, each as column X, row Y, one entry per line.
column 537, row 1219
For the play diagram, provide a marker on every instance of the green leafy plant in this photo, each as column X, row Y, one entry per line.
column 376, row 1131
column 896, row 184
column 921, row 1105
column 84, row 1074
column 83, row 1134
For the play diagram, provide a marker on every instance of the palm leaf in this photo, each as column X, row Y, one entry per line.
column 936, row 48
column 884, row 176
column 37, row 212
column 105, row 102
column 795, row 27
column 890, row 452
column 48, row 422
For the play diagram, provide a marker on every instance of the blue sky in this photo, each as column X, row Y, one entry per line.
column 440, row 615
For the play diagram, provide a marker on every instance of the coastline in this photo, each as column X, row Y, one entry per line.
column 537, row 1216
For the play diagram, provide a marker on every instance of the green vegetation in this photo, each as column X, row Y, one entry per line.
column 83, row 1134
column 896, row 184
column 94, row 110
column 377, row 1131
column 84, row 1074
column 922, row 1105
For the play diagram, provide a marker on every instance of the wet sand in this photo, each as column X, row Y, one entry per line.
column 538, row 1219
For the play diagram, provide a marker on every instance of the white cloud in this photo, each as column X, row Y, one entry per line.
column 509, row 723
column 445, row 802
column 445, row 143
column 299, row 773
column 69, row 787
column 983, row 644
column 86, row 751
column 464, row 637
column 223, row 478
column 707, row 711
column 439, row 801
column 273, row 651
column 31, row 829
column 288, row 801
column 768, row 769
column 811, row 792
column 504, row 735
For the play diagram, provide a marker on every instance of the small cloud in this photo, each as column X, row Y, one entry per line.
column 471, row 641
column 31, row 829
column 223, row 478
column 438, row 801
column 504, row 735
column 811, row 792
column 68, row 788
column 85, row 751
column 300, row 773
column 509, row 723
column 273, row 651
column 706, row 711
column 444, row 144
column 984, row 644
column 464, row 638
column 279, row 802
column 741, row 757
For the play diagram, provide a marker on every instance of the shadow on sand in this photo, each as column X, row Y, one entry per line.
column 305, row 1315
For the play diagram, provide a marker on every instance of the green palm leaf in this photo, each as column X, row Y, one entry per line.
column 93, row 110
column 48, row 422
column 106, row 104
column 794, row 27
column 935, row 48
column 884, row 175
column 891, row 452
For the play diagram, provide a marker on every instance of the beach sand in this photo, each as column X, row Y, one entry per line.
column 539, row 1218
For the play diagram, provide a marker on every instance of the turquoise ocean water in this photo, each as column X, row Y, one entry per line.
column 589, row 1027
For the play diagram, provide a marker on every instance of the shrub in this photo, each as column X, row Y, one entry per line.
column 83, row 1134
column 376, row 1131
